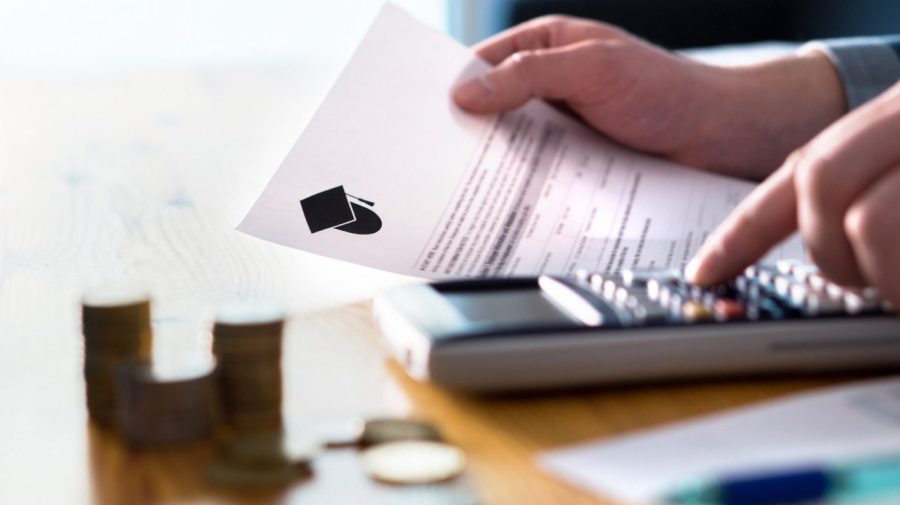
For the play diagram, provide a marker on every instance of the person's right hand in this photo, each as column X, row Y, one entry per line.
column 740, row 121
column 840, row 191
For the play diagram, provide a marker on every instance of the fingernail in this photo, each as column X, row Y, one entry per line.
column 702, row 267
column 473, row 91
column 690, row 271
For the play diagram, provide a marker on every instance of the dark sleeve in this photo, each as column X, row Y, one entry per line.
column 867, row 65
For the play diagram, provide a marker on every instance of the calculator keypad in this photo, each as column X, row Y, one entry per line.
column 785, row 290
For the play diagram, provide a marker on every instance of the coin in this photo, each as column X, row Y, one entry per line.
column 116, row 328
column 163, row 403
column 380, row 431
column 247, row 338
column 413, row 462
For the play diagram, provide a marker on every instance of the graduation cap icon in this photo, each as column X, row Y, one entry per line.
column 333, row 208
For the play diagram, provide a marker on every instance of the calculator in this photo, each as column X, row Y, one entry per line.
column 500, row 334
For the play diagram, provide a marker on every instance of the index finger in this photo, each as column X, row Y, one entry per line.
column 540, row 33
column 766, row 217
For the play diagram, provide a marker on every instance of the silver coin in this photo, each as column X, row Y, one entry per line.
column 413, row 462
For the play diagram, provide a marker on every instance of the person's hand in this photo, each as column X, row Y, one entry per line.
column 842, row 190
column 740, row 121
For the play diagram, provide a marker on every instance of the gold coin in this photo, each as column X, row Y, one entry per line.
column 380, row 431
column 413, row 462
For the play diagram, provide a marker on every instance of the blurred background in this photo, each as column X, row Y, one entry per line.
column 691, row 23
column 106, row 34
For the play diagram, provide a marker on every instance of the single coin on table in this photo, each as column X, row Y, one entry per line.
column 380, row 431
column 413, row 462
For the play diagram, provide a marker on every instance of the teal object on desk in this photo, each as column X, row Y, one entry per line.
column 843, row 483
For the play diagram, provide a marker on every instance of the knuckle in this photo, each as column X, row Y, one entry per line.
column 605, row 56
column 553, row 19
column 815, row 177
column 863, row 224
column 522, row 62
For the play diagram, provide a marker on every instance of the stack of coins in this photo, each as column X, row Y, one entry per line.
column 116, row 329
column 406, row 451
column 167, row 402
column 247, row 345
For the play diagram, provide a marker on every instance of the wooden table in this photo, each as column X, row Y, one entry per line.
column 143, row 177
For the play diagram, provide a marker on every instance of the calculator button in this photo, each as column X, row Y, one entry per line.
column 726, row 310
column 695, row 311
column 665, row 295
column 709, row 298
column 596, row 282
column 861, row 301
column 645, row 311
column 747, row 288
column 641, row 278
column 766, row 276
column 782, row 286
column 802, row 272
column 834, row 291
column 674, row 304
column 798, row 294
column 654, row 287
column 742, row 283
column 582, row 275
column 609, row 289
column 622, row 295
column 819, row 304
column 786, row 267
column 695, row 293
column 816, row 281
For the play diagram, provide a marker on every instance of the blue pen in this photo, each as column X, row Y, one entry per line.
column 839, row 483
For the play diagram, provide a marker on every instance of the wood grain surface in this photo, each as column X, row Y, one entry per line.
column 143, row 178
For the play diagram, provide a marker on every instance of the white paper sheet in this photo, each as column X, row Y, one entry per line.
column 441, row 193
column 835, row 424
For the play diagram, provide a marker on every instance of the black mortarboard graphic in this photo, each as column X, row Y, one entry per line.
column 332, row 209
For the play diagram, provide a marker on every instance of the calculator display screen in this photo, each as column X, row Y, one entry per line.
column 507, row 308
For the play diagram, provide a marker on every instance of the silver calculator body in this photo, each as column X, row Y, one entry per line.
column 549, row 332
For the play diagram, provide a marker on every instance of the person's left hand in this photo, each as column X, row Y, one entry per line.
column 841, row 190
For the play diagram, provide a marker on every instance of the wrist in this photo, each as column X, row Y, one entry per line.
column 765, row 111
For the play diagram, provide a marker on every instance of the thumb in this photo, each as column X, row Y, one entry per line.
column 542, row 73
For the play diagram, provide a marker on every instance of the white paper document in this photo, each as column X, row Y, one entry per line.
column 832, row 425
column 391, row 174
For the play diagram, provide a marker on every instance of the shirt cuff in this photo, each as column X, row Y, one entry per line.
column 867, row 65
